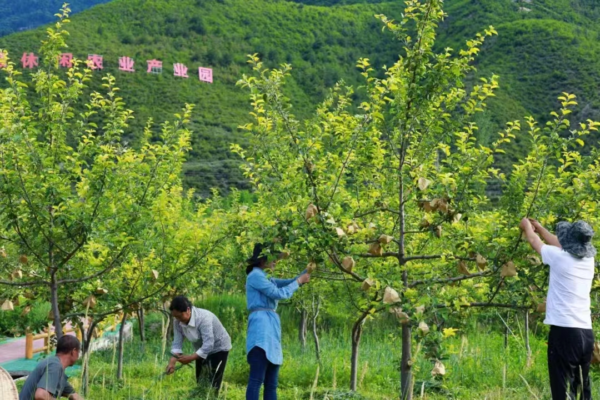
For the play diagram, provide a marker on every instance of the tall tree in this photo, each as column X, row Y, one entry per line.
column 394, row 196
column 76, row 203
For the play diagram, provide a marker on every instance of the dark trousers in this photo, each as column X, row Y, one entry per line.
column 211, row 369
column 569, row 355
column 261, row 371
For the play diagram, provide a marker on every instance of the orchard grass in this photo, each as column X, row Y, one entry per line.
column 478, row 365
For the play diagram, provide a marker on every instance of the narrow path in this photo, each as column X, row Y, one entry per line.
column 15, row 349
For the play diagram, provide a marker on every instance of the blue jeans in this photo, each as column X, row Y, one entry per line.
column 261, row 371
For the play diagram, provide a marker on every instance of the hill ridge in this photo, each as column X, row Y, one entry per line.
column 537, row 58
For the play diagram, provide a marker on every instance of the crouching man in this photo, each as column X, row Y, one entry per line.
column 48, row 380
column 208, row 336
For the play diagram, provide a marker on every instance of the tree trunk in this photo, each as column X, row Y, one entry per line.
column 406, row 369
column 141, row 323
column 406, row 361
column 316, row 337
column 170, row 327
column 54, row 306
column 87, row 340
column 120, row 347
column 506, row 331
column 302, row 328
column 405, row 365
column 169, row 331
column 316, row 309
column 527, row 345
column 356, row 335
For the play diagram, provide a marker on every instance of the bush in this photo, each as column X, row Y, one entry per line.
column 14, row 324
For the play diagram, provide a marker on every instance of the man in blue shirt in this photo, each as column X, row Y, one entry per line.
column 48, row 380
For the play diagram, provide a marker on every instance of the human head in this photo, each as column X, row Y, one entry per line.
column 576, row 238
column 181, row 309
column 259, row 259
column 68, row 347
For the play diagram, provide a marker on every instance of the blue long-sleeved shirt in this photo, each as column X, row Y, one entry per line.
column 264, row 327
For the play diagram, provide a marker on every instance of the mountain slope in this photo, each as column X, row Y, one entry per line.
column 19, row 15
column 551, row 48
column 322, row 44
column 543, row 48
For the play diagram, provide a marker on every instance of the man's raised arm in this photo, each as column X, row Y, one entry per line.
column 545, row 234
column 533, row 239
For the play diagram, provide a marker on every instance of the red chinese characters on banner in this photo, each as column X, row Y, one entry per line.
column 66, row 60
column 3, row 59
column 206, row 74
column 154, row 67
column 95, row 61
column 126, row 64
column 29, row 60
column 180, row 70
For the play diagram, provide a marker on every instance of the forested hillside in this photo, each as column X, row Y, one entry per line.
column 544, row 47
column 322, row 44
column 19, row 15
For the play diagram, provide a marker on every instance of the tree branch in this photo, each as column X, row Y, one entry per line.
column 32, row 283
column 97, row 274
column 485, row 304
column 344, row 164
column 384, row 255
column 384, row 209
column 161, row 288
column 422, row 257
column 449, row 280
column 333, row 256
column 32, row 208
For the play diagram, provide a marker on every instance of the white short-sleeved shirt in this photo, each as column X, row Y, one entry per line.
column 568, row 301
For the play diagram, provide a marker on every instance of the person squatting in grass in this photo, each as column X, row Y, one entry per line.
column 48, row 380
column 570, row 256
column 263, row 341
column 208, row 336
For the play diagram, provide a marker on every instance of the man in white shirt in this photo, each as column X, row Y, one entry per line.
column 208, row 336
column 570, row 256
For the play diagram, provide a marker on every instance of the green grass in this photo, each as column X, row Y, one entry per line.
column 478, row 366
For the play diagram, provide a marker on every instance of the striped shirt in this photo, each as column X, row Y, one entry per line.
column 204, row 330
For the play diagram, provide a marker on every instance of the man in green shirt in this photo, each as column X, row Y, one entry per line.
column 48, row 380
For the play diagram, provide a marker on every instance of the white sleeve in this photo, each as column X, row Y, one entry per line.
column 177, row 345
column 205, row 329
column 548, row 254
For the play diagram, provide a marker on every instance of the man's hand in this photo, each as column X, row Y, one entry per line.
column 43, row 394
column 171, row 367
column 533, row 239
column 545, row 234
column 188, row 359
column 537, row 227
column 526, row 225
column 304, row 278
